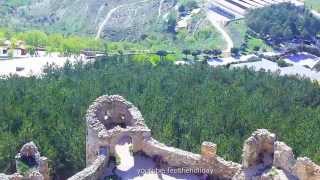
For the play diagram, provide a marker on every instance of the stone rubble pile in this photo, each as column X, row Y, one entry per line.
column 265, row 158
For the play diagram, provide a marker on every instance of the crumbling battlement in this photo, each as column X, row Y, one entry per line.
column 111, row 118
column 208, row 159
column 94, row 171
column 266, row 158
column 29, row 165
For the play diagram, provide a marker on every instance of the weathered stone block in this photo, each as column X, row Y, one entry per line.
column 283, row 156
column 305, row 169
column 44, row 168
column 35, row 175
column 208, row 150
column 258, row 149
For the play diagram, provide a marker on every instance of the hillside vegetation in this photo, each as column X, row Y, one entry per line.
column 284, row 21
column 313, row 4
column 83, row 17
column 183, row 105
column 149, row 23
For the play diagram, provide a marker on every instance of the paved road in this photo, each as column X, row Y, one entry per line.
column 32, row 65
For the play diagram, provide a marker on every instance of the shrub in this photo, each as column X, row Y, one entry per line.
column 131, row 149
column 283, row 63
column 235, row 52
column 316, row 67
column 254, row 59
column 118, row 160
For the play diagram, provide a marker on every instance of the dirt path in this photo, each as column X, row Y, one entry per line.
column 222, row 31
column 160, row 7
column 106, row 19
column 109, row 15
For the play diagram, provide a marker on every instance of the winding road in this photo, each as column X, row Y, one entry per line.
column 221, row 29
column 111, row 12
column 160, row 7
column 106, row 19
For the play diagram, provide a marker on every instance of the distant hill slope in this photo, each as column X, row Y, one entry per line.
column 313, row 4
column 130, row 18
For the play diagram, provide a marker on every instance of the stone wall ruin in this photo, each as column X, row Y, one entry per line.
column 29, row 165
column 110, row 118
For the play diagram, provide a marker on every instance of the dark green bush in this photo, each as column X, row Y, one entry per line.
column 283, row 63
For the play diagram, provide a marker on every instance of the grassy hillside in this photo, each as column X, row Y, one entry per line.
column 238, row 31
column 82, row 16
column 183, row 105
column 135, row 21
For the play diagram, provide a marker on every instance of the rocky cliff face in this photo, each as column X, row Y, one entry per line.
column 124, row 18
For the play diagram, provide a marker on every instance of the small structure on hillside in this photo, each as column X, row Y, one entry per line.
column 7, row 50
column 88, row 54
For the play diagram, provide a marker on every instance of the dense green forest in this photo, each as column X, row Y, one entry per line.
column 284, row 21
column 183, row 105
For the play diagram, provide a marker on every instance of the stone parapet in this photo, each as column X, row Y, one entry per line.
column 111, row 118
column 208, row 150
column 175, row 157
column 94, row 171
column 259, row 148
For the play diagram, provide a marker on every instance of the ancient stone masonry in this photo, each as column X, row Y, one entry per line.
column 111, row 118
column 94, row 171
column 266, row 158
column 29, row 165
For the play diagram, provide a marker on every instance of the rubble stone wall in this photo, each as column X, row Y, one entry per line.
column 175, row 157
column 94, row 171
column 263, row 158
column 110, row 118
